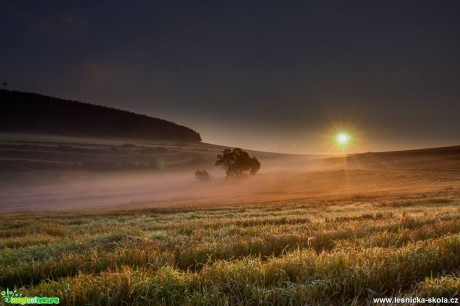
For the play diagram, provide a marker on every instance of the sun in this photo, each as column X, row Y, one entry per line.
column 343, row 138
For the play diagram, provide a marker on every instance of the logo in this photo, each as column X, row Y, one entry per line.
column 14, row 297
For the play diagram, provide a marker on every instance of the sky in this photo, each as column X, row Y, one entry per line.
column 282, row 76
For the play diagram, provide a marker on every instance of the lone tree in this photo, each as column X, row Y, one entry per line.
column 237, row 163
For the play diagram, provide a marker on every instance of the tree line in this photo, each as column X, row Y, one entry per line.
column 31, row 112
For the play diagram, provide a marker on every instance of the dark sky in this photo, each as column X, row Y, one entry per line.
column 271, row 75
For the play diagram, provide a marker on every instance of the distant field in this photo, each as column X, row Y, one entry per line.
column 316, row 230
column 26, row 152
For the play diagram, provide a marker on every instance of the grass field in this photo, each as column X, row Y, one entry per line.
column 339, row 251
column 330, row 231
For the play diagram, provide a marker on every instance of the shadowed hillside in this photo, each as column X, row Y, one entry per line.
column 29, row 112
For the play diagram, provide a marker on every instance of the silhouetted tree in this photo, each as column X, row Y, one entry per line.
column 4, row 85
column 237, row 163
column 202, row 175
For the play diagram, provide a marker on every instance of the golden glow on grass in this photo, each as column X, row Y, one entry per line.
column 387, row 241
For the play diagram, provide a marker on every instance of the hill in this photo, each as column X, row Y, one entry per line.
column 30, row 112
column 442, row 158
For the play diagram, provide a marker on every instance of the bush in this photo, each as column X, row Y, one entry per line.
column 202, row 175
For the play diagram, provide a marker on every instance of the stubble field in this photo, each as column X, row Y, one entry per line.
column 320, row 252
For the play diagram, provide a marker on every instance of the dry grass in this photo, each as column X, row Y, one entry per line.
column 286, row 252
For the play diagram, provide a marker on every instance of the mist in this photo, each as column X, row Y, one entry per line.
column 281, row 177
column 84, row 190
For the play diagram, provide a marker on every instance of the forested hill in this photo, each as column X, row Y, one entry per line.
column 30, row 112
